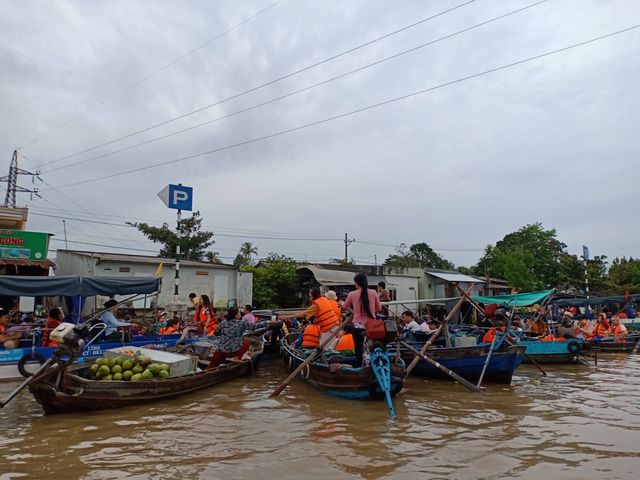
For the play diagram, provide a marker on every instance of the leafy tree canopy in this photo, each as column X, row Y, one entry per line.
column 274, row 282
column 244, row 258
column 419, row 255
column 193, row 242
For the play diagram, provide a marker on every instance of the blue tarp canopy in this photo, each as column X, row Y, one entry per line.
column 20, row 286
column 516, row 299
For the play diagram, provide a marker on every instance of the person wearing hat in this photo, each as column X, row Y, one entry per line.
column 566, row 328
column 9, row 340
column 333, row 300
column 108, row 317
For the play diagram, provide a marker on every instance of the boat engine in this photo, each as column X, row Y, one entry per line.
column 70, row 338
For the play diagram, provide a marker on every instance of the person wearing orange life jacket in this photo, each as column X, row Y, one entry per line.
column 311, row 336
column 171, row 328
column 323, row 315
column 618, row 330
column 333, row 298
column 206, row 316
column 601, row 328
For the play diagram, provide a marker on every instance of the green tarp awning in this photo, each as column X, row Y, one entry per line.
column 517, row 299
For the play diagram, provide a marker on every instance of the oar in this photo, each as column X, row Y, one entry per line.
column 635, row 349
column 36, row 375
column 424, row 348
column 307, row 361
column 486, row 362
column 449, row 372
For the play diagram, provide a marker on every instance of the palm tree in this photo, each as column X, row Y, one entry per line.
column 212, row 257
column 247, row 250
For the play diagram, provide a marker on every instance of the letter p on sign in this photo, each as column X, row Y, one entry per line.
column 177, row 197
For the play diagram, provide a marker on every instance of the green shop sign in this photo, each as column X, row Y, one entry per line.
column 19, row 244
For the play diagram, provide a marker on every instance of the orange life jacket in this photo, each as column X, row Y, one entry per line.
column 167, row 331
column 619, row 330
column 326, row 318
column 600, row 330
column 311, row 336
column 345, row 343
column 336, row 307
column 491, row 334
column 211, row 329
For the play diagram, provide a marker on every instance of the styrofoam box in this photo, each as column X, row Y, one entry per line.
column 465, row 341
column 178, row 364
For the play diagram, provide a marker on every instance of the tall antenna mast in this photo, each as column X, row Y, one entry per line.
column 12, row 182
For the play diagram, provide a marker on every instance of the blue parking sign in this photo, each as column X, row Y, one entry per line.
column 177, row 197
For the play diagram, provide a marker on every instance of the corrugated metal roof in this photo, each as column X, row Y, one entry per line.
column 126, row 258
column 455, row 277
column 330, row 277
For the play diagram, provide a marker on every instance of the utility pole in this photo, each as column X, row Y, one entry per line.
column 347, row 242
column 64, row 225
column 12, row 182
column 177, row 277
column 585, row 255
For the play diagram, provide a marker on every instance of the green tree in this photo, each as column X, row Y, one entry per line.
column 419, row 255
column 213, row 257
column 516, row 267
column 625, row 273
column 193, row 242
column 245, row 254
column 275, row 282
column 544, row 249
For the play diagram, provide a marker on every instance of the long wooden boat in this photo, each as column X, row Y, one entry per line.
column 341, row 378
column 469, row 361
column 70, row 390
column 610, row 345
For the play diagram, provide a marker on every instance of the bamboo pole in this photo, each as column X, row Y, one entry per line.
column 449, row 316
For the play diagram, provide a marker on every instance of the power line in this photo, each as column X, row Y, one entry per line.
column 295, row 92
column 350, row 113
column 152, row 74
column 258, row 87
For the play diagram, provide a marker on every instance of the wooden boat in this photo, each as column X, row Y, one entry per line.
column 552, row 352
column 340, row 378
column 468, row 361
column 610, row 345
column 68, row 389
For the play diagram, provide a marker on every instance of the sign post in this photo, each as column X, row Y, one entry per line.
column 177, row 197
column 585, row 255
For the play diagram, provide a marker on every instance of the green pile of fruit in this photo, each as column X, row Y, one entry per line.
column 134, row 369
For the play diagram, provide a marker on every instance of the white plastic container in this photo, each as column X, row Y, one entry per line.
column 465, row 341
column 61, row 332
column 179, row 365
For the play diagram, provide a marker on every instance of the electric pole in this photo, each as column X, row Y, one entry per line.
column 12, row 182
column 347, row 242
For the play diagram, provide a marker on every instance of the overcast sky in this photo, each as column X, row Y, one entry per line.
column 553, row 140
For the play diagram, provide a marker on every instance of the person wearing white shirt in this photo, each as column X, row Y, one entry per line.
column 410, row 322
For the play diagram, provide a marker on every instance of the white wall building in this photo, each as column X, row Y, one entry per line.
column 224, row 284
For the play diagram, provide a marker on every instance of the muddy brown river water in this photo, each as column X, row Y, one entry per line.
column 577, row 423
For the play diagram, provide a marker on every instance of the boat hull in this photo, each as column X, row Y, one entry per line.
column 340, row 379
column 552, row 352
column 75, row 393
column 468, row 362
column 605, row 346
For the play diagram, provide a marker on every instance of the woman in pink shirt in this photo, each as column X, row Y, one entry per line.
column 364, row 303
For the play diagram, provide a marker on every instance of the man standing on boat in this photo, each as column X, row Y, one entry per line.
column 324, row 315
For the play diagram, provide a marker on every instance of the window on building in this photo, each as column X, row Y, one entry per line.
column 393, row 295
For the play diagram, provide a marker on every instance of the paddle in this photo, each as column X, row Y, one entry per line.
column 449, row 372
column 449, row 316
column 33, row 377
column 307, row 361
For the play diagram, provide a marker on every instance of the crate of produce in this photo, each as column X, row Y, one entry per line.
column 178, row 364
